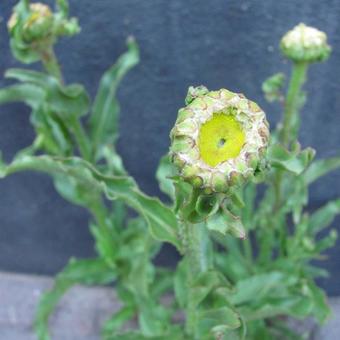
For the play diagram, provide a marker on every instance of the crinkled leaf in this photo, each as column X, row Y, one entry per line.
column 161, row 220
column 104, row 117
column 28, row 93
column 73, row 191
column 296, row 306
column 281, row 158
column 114, row 162
column 225, row 223
column 70, row 101
column 53, row 134
column 258, row 286
column 205, row 283
column 218, row 321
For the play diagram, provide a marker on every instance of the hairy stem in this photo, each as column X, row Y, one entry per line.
column 199, row 260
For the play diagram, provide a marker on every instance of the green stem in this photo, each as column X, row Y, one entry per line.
column 198, row 256
column 50, row 62
column 199, row 247
column 99, row 212
column 247, row 248
column 82, row 139
column 51, row 65
column 293, row 101
column 288, row 135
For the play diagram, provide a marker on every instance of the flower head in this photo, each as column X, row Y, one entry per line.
column 39, row 22
column 306, row 44
column 35, row 28
column 218, row 139
column 36, row 25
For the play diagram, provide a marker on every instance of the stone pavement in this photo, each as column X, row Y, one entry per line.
column 82, row 310
column 79, row 315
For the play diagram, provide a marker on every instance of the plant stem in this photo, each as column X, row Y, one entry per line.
column 51, row 65
column 293, row 101
column 199, row 247
column 247, row 248
column 288, row 134
column 198, row 259
column 50, row 62
column 82, row 139
column 98, row 211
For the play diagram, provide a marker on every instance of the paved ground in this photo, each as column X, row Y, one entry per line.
column 79, row 316
column 81, row 311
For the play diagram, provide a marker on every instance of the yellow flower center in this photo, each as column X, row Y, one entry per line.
column 221, row 138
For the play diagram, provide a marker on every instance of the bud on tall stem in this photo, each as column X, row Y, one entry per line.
column 303, row 45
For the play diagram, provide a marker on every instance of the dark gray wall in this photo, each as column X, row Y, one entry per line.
column 221, row 43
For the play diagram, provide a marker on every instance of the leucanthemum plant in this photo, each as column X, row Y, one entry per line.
column 246, row 258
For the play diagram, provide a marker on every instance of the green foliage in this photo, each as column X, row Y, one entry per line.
column 104, row 118
column 245, row 263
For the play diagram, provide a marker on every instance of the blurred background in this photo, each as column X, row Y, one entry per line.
column 231, row 44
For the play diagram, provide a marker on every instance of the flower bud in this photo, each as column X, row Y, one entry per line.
column 35, row 28
column 38, row 24
column 218, row 139
column 305, row 44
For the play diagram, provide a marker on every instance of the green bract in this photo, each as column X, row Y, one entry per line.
column 305, row 44
column 218, row 139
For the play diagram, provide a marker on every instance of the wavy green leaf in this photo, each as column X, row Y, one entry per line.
column 161, row 220
column 324, row 216
column 70, row 101
column 281, row 158
column 104, row 117
column 320, row 168
column 28, row 93
column 223, row 222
